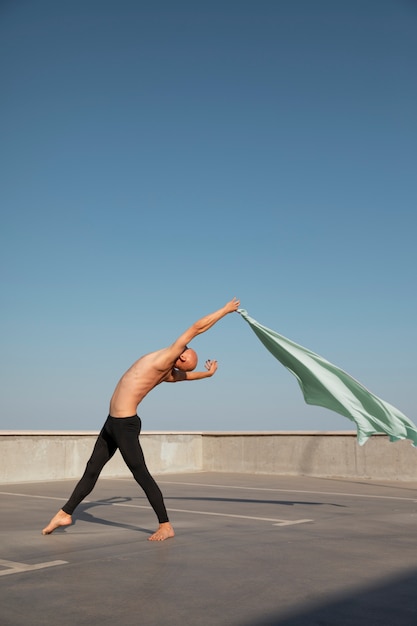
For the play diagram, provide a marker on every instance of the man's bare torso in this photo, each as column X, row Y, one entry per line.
column 136, row 383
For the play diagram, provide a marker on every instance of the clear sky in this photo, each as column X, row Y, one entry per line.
column 159, row 158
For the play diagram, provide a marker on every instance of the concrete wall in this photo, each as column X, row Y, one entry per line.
column 310, row 454
column 38, row 456
column 49, row 456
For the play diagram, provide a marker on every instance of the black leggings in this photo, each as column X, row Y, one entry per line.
column 122, row 433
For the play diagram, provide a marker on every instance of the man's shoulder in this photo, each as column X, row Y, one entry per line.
column 159, row 360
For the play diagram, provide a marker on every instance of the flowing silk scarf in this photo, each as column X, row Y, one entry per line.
column 326, row 385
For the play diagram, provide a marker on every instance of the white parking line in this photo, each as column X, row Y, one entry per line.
column 277, row 489
column 242, row 488
column 276, row 522
column 13, row 567
column 29, row 495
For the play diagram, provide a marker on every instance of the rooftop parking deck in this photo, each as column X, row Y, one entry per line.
column 249, row 550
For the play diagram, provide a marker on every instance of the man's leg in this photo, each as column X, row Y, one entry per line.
column 104, row 449
column 126, row 434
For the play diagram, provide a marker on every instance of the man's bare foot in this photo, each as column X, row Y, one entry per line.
column 60, row 519
column 165, row 531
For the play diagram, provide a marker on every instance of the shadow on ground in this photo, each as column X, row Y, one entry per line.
column 392, row 603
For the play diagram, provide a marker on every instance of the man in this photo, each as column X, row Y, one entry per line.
column 122, row 427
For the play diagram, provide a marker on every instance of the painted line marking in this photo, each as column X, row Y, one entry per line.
column 277, row 489
column 29, row 495
column 13, row 567
column 276, row 522
column 297, row 521
column 273, row 489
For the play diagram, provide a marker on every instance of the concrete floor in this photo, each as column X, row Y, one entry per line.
column 249, row 551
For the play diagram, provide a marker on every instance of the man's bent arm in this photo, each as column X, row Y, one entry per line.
column 176, row 375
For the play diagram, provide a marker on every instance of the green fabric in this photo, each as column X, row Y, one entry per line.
column 326, row 385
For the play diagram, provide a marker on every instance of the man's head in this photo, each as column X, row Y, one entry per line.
column 187, row 361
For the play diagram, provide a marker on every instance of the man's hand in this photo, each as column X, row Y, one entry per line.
column 211, row 366
column 232, row 306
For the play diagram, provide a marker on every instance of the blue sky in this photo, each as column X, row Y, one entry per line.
column 159, row 158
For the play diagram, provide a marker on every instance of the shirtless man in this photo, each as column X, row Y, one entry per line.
column 122, row 427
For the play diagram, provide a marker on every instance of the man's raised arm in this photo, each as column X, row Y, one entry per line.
column 166, row 358
column 206, row 322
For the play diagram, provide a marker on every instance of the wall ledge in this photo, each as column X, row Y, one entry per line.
column 204, row 433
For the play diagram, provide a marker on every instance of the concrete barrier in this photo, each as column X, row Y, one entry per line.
column 39, row 456
column 331, row 454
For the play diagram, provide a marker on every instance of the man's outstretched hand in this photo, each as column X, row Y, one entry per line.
column 232, row 306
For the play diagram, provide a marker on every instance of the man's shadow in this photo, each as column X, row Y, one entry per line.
column 83, row 515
